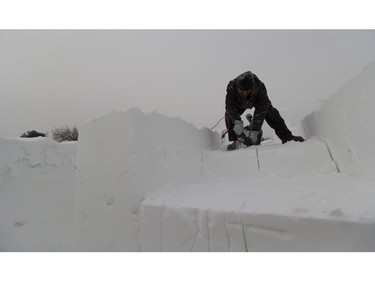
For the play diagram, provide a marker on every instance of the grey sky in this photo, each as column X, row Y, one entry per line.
column 50, row 78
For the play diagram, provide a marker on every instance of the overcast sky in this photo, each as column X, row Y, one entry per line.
column 51, row 78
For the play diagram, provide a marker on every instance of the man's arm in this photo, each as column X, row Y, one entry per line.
column 231, row 106
column 262, row 105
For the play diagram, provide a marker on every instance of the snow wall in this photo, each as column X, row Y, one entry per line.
column 347, row 123
column 121, row 157
column 37, row 183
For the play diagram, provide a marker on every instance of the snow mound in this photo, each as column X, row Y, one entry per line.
column 346, row 121
column 37, row 182
column 121, row 157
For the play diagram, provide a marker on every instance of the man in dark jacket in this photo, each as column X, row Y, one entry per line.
column 246, row 92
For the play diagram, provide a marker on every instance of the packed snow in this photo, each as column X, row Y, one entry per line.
column 346, row 122
column 140, row 181
column 37, row 183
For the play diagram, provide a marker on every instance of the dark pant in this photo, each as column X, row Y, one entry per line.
column 273, row 119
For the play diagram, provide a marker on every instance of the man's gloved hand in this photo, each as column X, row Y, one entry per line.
column 254, row 136
column 238, row 127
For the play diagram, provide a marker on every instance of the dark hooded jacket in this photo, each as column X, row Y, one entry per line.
column 235, row 104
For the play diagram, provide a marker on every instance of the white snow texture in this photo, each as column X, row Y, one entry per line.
column 147, row 182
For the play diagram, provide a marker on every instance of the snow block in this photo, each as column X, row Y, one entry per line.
column 121, row 157
column 311, row 157
column 237, row 163
column 326, row 213
column 37, row 182
column 346, row 121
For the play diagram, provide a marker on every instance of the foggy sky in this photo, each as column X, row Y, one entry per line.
column 51, row 78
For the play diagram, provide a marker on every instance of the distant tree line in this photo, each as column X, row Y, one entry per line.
column 60, row 134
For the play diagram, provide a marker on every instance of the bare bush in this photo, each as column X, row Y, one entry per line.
column 65, row 134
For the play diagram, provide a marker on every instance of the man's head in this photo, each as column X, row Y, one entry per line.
column 245, row 83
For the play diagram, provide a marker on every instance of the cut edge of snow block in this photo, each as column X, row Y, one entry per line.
column 199, row 230
column 243, row 215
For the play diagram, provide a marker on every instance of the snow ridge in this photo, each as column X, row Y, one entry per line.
column 346, row 122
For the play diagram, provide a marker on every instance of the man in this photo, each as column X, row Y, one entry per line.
column 246, row 92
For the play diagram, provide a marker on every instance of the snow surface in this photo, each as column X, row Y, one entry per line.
column 137, row 154
column 261, row 214
column 346, row 121
column 37, row 182
column 147, row 182
column 313, row 209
